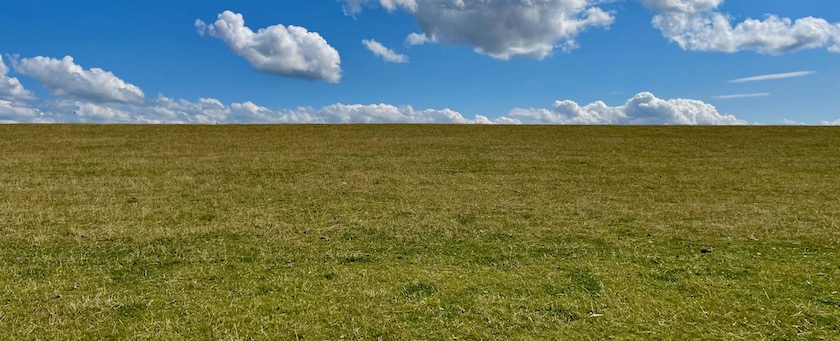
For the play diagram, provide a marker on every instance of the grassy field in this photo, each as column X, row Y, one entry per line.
column 419, row 232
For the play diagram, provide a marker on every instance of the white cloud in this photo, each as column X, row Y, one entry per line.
column 697, row 25
column 352, row 113
column 773, row 76
column 93, row 112
column 383, row 52
column 750, row 95
column 831, row 123
column 570, row 112
column 788, row 122
column 10, row 87
column 14, row 112
column 161, row 110
column 249, row 112
column 417, row 39
column 644, row 108
column 355, row 6
column 502, row 29
column 290, row 51
column 63, row 77
column 206, row 110
column 209, row 110
column 682, row 6
column 384, row 113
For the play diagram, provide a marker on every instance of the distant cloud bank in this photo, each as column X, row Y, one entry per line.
column 98, row 96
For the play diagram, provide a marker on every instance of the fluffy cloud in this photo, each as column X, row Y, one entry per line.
column 63, row 77
column 249, row 112
column 696, row 25
column 290, row 51
column 383, row 52
column 206, row 110
column 10, row 87
column 93, row 112
column 502, row 29
column 14, row 112
column 417, row 39
column 644, row 108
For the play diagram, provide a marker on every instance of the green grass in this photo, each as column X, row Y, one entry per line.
column 419, row 232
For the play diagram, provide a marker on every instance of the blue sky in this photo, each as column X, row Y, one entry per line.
column 470, row 61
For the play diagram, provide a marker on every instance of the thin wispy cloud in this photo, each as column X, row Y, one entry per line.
column 773, row 76
column 383, row 52
column 788, row 122
column 734, row 96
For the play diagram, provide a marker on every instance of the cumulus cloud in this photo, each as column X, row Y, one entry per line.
column 290, row 51
column 644, row 108
column 697, row 25
column 14, row 112
column 383, row 52
column 205, row 110
column 502, row 29
column 249, row 112
column 417, row 39
column 93, row 112
column 63, row 77
column 10, row 87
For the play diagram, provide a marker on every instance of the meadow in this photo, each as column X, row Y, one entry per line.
column 392, row 232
